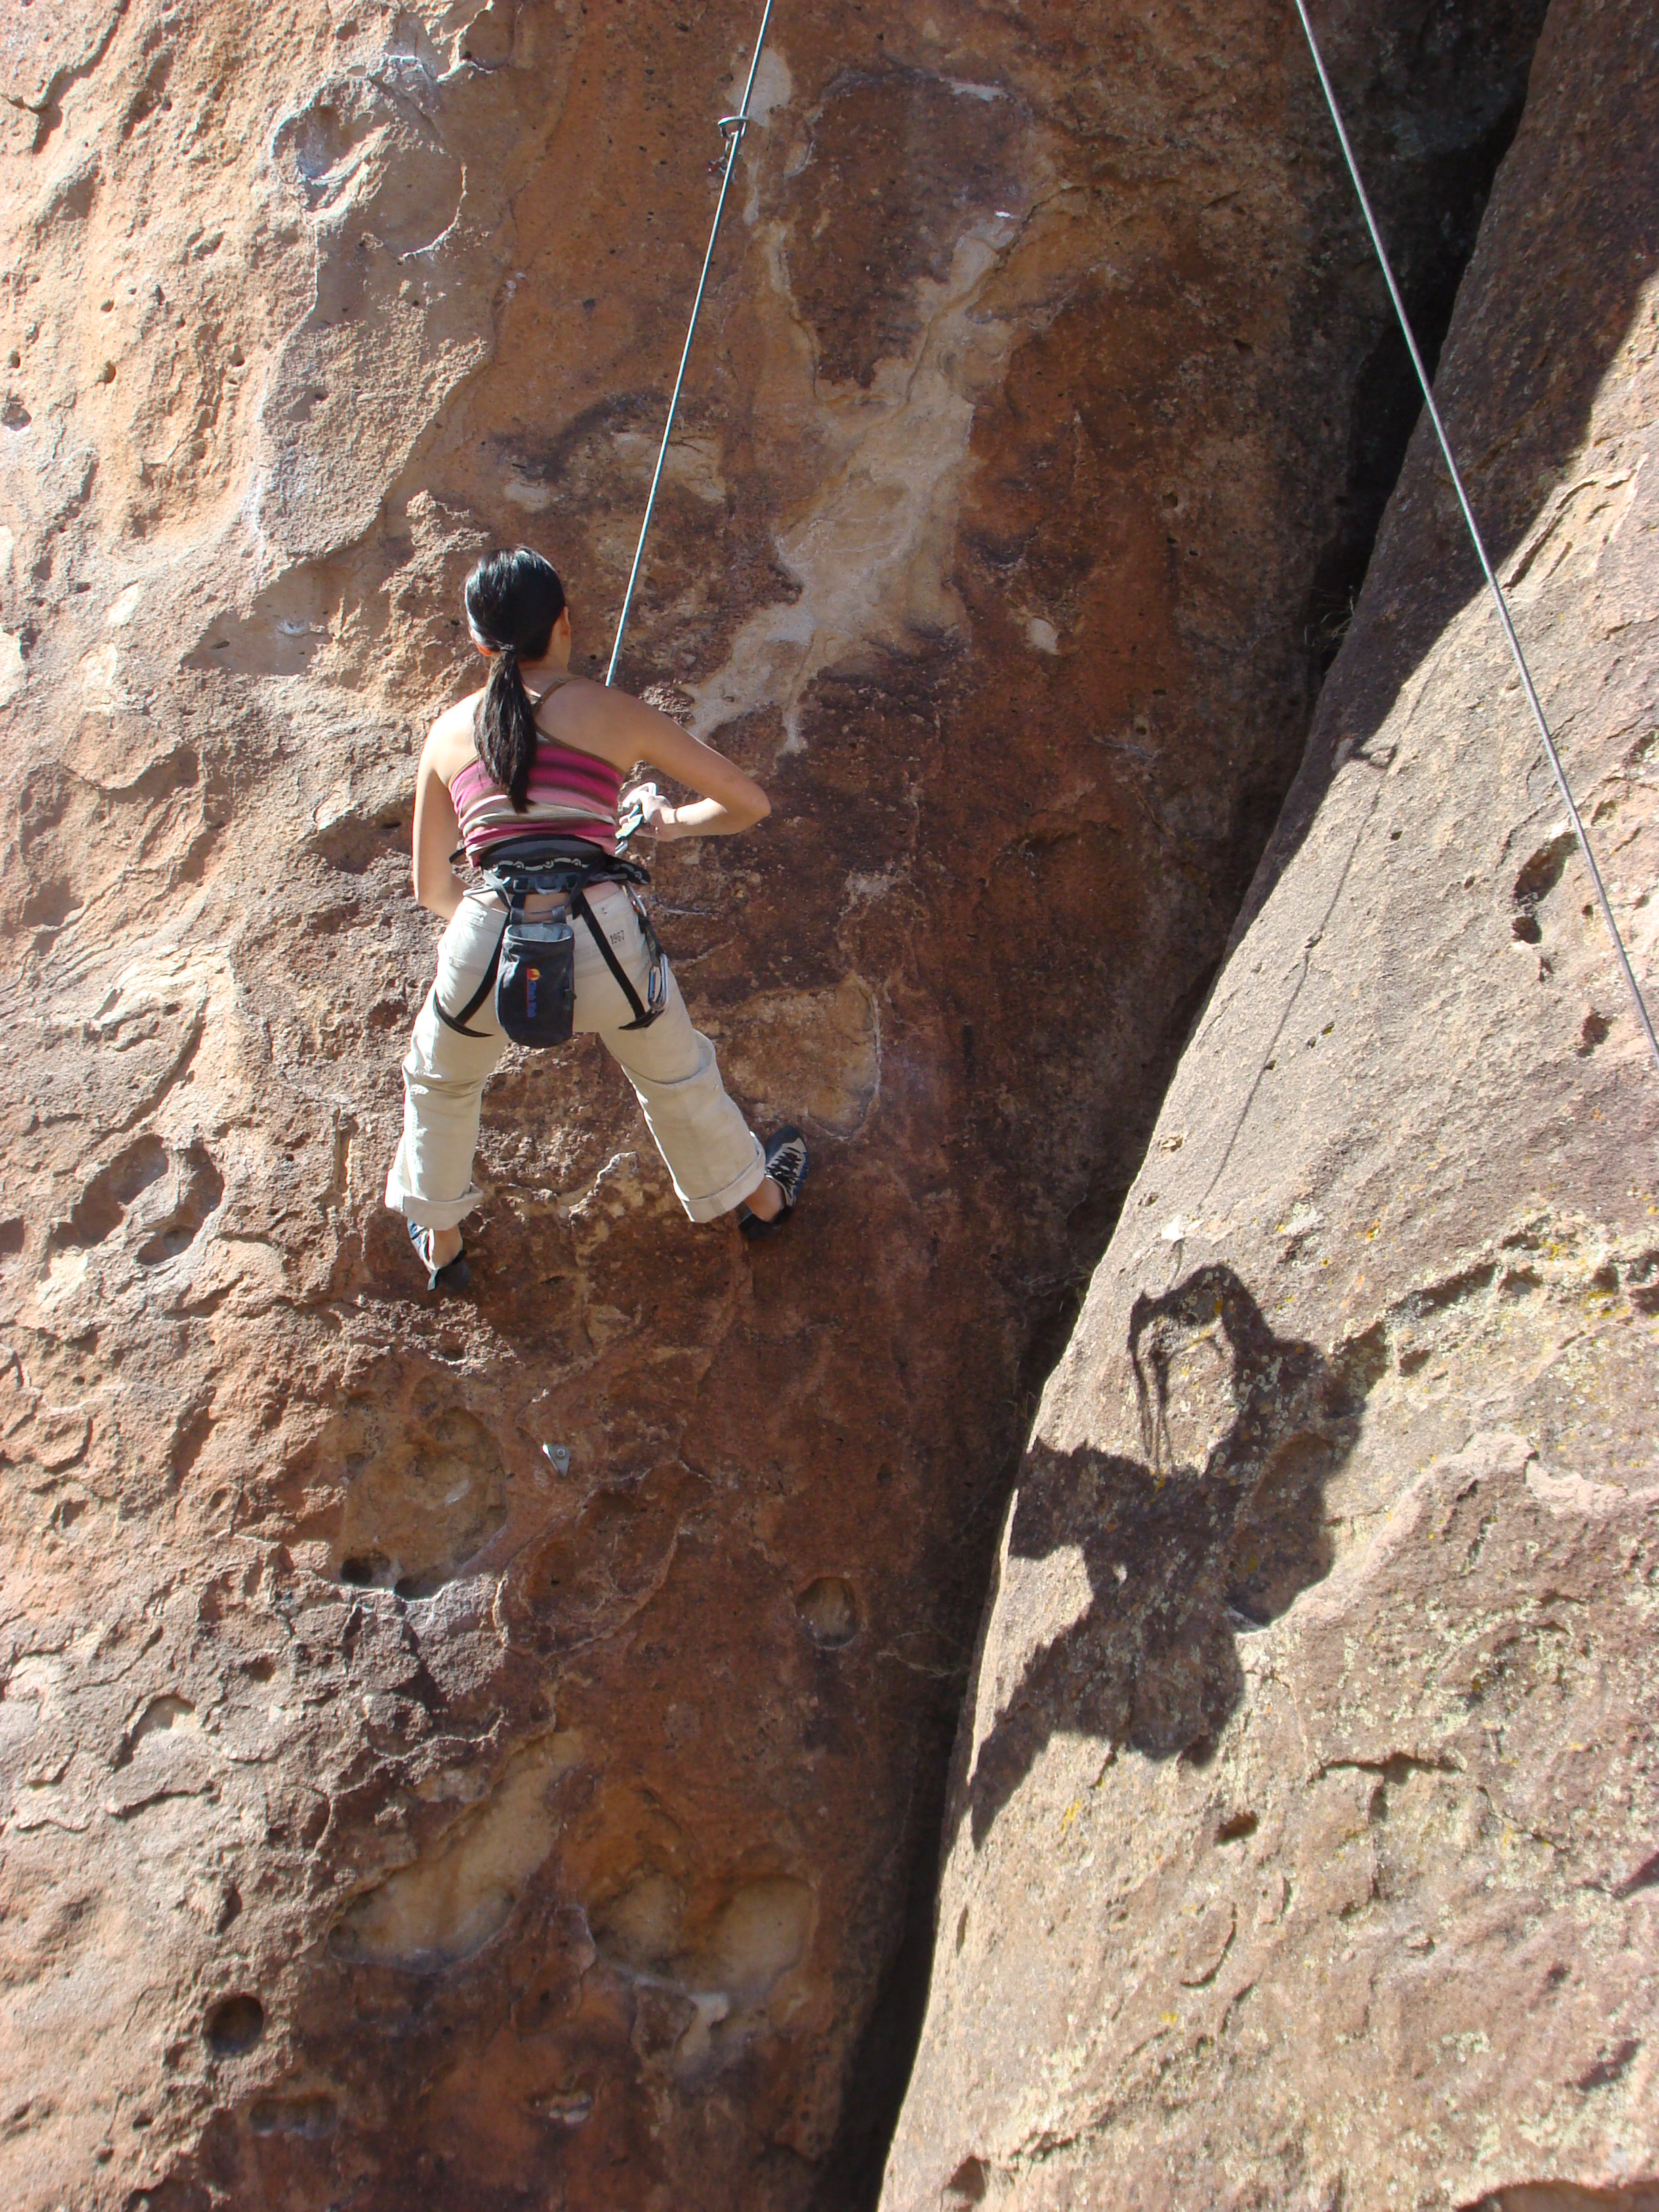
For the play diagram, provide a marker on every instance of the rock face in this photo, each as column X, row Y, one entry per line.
column 478, row 1755
column 1301, row 1849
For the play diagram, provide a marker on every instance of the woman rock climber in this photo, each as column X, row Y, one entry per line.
column 542, row 751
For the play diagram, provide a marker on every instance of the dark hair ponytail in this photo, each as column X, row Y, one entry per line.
column 512, row 601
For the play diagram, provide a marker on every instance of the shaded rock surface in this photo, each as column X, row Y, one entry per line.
column 1301, row 1848
column 472, row 1755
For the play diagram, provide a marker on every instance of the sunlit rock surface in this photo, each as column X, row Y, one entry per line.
column 395, row 1813
column 1301, row 1851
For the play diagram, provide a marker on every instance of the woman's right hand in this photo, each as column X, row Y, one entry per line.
column 646, row 803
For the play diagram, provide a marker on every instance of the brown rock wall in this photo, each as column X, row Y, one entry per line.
column 1300, row 1850
column 395, row 1813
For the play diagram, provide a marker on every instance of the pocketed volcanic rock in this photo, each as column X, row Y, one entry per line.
column 1300, row 1850
column 488, row 1754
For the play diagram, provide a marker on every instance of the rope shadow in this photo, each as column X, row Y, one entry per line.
column 1181, row 1558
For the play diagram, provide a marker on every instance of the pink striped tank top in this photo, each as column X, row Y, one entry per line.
column 573, row 793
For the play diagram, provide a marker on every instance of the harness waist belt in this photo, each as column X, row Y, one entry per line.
column 566, row 867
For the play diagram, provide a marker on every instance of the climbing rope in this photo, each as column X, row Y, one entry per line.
column 731, row 128
column 1502, row 605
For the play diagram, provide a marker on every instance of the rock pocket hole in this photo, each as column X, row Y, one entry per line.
column 1543, row 871
column 370, row 1571
column 375, row 1571
column 201, row 1187
column 1596, row 1030
column 828, row 1611
column 161, row 1716
column 354, row 843
column 235, row 2025
column 572, row 2111
column 100, row 1210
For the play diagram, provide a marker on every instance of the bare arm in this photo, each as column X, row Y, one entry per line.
column 622, row 728
column 437, row 887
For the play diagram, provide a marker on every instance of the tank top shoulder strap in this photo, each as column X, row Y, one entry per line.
column 554, row 683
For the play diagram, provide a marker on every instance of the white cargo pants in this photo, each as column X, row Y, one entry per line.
column 714, row 1157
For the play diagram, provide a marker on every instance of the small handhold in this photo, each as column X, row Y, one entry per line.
column 829, row 1612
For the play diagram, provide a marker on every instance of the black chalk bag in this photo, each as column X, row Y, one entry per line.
column 536, row 986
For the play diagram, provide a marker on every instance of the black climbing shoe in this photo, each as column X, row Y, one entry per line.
column 787, row 1164
column 453, row 1275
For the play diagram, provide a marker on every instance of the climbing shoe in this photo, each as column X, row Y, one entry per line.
column 453, row 1275
column 787, row 1164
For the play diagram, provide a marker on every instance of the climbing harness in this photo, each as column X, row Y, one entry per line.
column 1502, row 605
column 731, row 128
column 533, row 970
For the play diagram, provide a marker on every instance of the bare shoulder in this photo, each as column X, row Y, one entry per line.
column 582, row 694
column 450, row 746
column 595, row 720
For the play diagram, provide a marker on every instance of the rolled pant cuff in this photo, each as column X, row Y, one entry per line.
column 722, row 1201
column 432, row 1213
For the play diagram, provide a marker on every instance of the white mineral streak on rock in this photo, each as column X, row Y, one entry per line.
column 870, row 553
column 774, row 88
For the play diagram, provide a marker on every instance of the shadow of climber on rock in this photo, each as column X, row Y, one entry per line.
column 1210, row 1535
